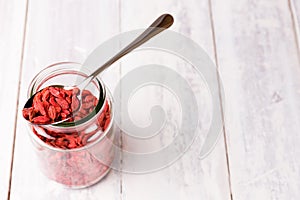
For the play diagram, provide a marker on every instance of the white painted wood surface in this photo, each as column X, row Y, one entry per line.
column 12, row 14
column 189, row 177
column 258, row 59
column 259, row 65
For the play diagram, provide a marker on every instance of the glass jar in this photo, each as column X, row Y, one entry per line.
column 81, row 166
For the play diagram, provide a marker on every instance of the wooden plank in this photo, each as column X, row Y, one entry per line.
column 257, row 54
column 189, row 177
column 12, row 15
column 61, row 31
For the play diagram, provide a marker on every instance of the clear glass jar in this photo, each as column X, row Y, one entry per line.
column 82, row 166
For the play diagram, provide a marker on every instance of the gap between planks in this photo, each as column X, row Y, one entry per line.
column 120, row 137
column 295, row 23
column 17, row 102
column 220, row 95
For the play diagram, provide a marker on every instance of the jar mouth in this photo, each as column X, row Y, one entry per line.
column 38, row 80
column 36, row 85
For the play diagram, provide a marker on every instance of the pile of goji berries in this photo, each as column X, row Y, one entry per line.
column 77, row 168
column 74, row 168
column 54, row 104
column 75, row 138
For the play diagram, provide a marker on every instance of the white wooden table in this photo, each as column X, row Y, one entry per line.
column 255, row 45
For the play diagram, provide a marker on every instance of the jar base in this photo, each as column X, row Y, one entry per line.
column 78, row 187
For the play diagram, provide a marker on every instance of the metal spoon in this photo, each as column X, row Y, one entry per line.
column 160, row 24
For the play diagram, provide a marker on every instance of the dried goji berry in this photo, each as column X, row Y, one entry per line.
column 58, row 109
column 46, row 105
column 106, row 123
column 37, row 97
column 63, row 115
column 101, row 118
column 41, row 119
column 76, row 118
column 89, row 98
column 54, row 91
column 95, row 102
column 28, row 113
column 53, row 102
column 68, row 99
column 87, row 105
column 72, row 144
column 105, row 107
column 40, row 108
column 75, row 91
column 66, row 112
column 62, row 102
column 52, row 112
column 45, row 95
column 75, row 104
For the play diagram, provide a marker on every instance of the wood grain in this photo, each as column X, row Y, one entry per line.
column 257, row 54
column 60, row 31
column 295, row 14
column 12, row 15
column 189, row 177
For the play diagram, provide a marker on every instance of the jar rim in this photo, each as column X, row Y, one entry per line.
column 103, row 90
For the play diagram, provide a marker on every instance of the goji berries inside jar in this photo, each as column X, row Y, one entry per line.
column 78, row 153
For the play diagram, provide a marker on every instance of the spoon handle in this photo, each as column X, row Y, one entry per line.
column 159, row 25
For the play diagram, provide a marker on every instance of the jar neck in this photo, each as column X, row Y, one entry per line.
column 59, row 72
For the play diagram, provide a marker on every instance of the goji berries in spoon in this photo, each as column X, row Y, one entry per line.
column 53, row 104
column 62, row 110
column 159, row 25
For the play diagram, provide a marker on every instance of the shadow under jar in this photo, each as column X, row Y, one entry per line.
column 76, row 154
